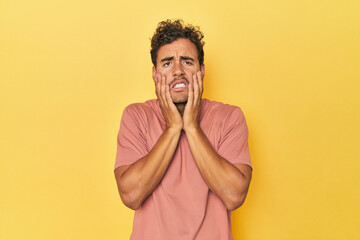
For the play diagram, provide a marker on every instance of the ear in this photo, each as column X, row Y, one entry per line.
column 153, row 73
column 202, row 69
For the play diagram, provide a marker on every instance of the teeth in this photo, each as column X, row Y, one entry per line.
column 179, row 85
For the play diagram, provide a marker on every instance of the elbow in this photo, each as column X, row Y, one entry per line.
column 132, row 205
column 235, row 202
column 237, row 196
column 129, row 196
column 130, row 202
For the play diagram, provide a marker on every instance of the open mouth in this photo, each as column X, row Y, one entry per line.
column 179, row 85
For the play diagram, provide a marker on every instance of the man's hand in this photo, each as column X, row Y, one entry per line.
column 170, row 112
column 193, row 105
column 230, row 182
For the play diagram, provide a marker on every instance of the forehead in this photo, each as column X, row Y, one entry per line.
column 180, row 47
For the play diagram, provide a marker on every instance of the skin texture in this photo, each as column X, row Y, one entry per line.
column 177, row 63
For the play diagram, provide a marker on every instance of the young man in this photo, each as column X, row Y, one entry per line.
column 182, row 161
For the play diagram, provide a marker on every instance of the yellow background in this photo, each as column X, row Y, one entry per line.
column 68, row 68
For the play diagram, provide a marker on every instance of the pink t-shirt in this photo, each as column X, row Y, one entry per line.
column 182, row 206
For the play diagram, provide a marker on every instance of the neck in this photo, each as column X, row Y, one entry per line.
column 180, row 107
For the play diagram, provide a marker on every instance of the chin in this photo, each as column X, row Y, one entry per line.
column 178, row 99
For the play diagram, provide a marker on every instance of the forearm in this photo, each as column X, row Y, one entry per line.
column 223, row 178
column 142, row 177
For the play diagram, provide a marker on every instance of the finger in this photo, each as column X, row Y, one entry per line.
column 190, row 94
column 159, row 93
column 168, row 97
column 154, row 74
column 200, row 82
column 162, row 90
column 157, row 85
column 196, row 89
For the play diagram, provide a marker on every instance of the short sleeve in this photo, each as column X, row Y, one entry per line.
column 233, row 145
column 131, row 139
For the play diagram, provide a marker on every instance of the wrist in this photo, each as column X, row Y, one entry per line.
column 173, row 129
column 192, row 128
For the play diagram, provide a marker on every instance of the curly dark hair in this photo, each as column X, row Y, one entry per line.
column 171, row 30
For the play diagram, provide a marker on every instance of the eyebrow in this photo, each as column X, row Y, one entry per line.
column 167, row 59
column 172, row 58
column 186, row 58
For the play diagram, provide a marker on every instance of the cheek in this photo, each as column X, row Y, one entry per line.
column 164, row 72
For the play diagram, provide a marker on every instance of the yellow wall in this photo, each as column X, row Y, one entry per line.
column 68, row 68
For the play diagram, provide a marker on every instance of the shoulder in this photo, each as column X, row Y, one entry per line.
column 141, row 109
column 222, row 110
column 139, row 115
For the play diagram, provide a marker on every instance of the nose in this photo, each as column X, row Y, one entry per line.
column 178, row 69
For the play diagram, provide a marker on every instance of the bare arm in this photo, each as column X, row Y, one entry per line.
column 229, row 182
column 137, row 181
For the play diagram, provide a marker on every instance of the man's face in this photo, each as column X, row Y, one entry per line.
column 178, row 62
